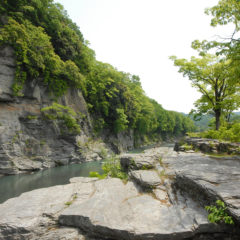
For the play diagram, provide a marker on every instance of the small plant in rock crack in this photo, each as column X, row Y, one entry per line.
column 218, row 214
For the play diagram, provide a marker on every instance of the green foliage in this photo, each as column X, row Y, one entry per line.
column 187, row 147
column 218, row 213
column 36, row 57
column 97, row 175
column 31, row 117
column 68, row 203
column 103, row 152
column 42, row 142
column 74, row 197
column 121, row 123
column 146, row 167
column 51, row 50
column 216, row 76
column 215, row 79
column 63, row 113
column 112, row 168
column 229, row 133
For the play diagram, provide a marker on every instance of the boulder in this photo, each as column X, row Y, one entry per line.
column 137, row 161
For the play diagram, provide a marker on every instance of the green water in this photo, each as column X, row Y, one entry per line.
column 13, row 186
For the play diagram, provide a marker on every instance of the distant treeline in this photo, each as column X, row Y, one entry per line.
column 50, row 48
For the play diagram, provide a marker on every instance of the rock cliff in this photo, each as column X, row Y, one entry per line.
column 29, row 142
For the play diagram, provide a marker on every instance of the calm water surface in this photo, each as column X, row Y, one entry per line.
column 13, row 186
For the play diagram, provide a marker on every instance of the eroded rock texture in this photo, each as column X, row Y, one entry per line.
column 30, row 142
column 171, row 208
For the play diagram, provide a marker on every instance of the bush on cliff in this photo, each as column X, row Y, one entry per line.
column 63, row 113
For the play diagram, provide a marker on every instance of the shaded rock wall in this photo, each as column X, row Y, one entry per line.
column 28, row 142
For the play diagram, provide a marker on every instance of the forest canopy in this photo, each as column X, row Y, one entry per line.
column 49, row 47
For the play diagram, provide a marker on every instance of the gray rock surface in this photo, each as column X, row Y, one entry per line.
column 90, row 209
column 118, row 211
column 27, row 141
column 146, row 160
column 34, row 214
column 7, row 72
column 207, row 179
column 208, row 146
column 146, row 178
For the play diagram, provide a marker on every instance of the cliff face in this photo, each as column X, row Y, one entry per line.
column 30, row 142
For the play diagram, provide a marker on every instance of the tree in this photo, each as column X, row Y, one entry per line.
column 215, row 79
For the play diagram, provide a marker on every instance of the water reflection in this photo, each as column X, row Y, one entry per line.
column 13, row 186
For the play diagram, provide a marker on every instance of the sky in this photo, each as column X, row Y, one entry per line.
column 138, row 36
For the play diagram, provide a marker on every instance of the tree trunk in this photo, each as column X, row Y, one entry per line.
column 217, row 118
column 228, row 117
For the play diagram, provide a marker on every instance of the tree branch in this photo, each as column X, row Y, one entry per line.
column 206, row 93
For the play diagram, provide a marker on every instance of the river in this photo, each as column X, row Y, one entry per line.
column 13, row 186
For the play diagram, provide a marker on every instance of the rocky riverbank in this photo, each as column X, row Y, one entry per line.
column 206, row 145
column 164, row 199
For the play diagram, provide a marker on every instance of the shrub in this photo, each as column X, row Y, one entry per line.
column 64, row 113
column 112, row 168
column 96, row 174
column 218, row 214
column 31, row 117
column 187, row 147
column 227, row 133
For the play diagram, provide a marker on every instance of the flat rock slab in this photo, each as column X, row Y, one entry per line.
column 207, row 178
column 118, row 211
column 110, row 209
column 146, row 160
column 146, row 178
column 34, row 214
